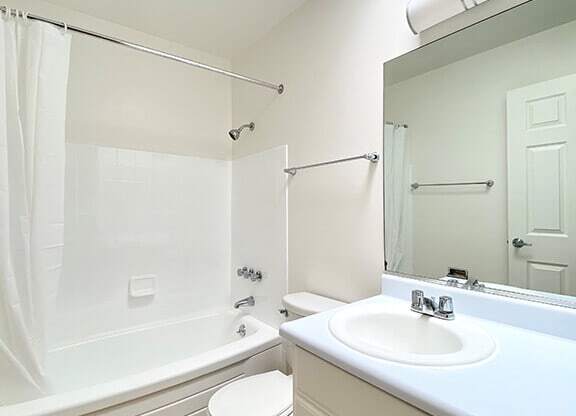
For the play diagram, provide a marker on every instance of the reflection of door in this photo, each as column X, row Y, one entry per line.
column 542, row 186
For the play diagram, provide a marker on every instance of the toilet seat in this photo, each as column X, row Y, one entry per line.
column 268, row 394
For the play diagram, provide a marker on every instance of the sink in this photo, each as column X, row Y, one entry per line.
column 392, row 332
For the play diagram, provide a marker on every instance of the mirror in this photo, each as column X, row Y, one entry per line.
column 480, row 156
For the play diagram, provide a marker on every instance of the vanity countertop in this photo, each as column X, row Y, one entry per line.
column 530, row 373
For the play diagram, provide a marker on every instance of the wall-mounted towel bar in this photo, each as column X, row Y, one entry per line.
column 372, row 157
column 488, row 183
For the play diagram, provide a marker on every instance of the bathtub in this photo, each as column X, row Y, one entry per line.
column 164, row 370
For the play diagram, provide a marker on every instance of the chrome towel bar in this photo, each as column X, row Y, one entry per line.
column 372, row 157
column 488, row 183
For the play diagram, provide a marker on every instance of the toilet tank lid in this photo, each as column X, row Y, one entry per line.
column 305, row 303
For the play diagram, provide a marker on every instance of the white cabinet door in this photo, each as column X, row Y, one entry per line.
column 542, row 186
column 322, row 389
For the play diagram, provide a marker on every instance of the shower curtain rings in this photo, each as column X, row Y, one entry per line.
column 6, row 12
column 9, row 12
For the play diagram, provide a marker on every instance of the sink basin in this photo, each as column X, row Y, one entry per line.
column 393, row 332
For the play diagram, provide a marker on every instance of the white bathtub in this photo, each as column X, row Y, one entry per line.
column 169, row 369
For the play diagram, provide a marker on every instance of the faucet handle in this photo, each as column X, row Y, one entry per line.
column 241, row 272
column 446, row 307
column 445, row 304
column 417, row 299
column 256, row 277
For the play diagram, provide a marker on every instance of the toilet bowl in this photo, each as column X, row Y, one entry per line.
column 269, row 394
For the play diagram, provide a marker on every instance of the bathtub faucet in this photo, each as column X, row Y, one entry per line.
column 249, row 301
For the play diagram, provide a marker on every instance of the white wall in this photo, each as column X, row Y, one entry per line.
column 457, row 132
column 124, row 98
column 133, row 213
column 329, row 54
column 259, row 230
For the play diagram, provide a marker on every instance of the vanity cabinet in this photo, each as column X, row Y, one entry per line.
column 322, row 389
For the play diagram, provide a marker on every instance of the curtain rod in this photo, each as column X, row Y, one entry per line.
column 389, row 123
column 279, row 88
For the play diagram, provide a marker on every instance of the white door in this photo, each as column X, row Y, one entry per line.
column 542, row 186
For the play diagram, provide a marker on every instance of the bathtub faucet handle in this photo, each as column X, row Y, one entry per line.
column 242, row 272
column 249, row 273
column 256, row 277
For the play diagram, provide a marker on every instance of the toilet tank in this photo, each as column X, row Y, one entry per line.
column 301, row 304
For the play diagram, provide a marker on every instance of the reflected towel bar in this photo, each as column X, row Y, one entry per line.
column 372, row 157
column 416, row 185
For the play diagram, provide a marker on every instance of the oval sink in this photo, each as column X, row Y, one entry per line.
column 393, row 332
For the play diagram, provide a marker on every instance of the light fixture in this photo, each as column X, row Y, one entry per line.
column 423, row 14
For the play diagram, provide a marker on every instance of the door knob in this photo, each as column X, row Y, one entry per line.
column 519, row 243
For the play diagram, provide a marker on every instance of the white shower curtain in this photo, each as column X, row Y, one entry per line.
column 397, row 203
column 34, row 60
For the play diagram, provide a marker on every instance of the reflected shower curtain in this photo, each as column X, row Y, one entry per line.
column 34, row 60
column 397, row 203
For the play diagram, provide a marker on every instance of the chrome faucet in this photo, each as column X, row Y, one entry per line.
column 249, row 301
column 246, row 273
column 472, row 284
column 443, row 309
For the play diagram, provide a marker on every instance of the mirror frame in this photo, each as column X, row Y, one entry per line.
column 525, row 19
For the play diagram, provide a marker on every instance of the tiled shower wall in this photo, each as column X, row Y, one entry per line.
column 132, row 213
column 260, row 230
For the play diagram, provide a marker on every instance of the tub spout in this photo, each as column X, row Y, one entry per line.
column 249, row 301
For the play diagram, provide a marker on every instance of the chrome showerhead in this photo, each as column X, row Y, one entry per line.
column 235, row 133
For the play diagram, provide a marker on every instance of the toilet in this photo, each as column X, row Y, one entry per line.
column 269, row 394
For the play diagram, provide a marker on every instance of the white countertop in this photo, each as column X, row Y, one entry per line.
column 530, row 373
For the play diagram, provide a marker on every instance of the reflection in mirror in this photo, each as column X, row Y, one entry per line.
column 480, row 157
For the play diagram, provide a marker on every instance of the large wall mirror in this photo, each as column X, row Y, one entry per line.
column 480, row 156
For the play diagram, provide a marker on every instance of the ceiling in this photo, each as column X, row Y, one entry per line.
column 220, row 27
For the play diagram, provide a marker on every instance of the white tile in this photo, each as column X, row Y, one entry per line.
column 132, row 213
column 259, row 230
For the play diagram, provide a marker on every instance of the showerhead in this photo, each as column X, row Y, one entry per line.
column 235, row 133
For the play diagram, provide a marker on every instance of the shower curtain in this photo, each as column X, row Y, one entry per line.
column 397, row 202
column 34, row 60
